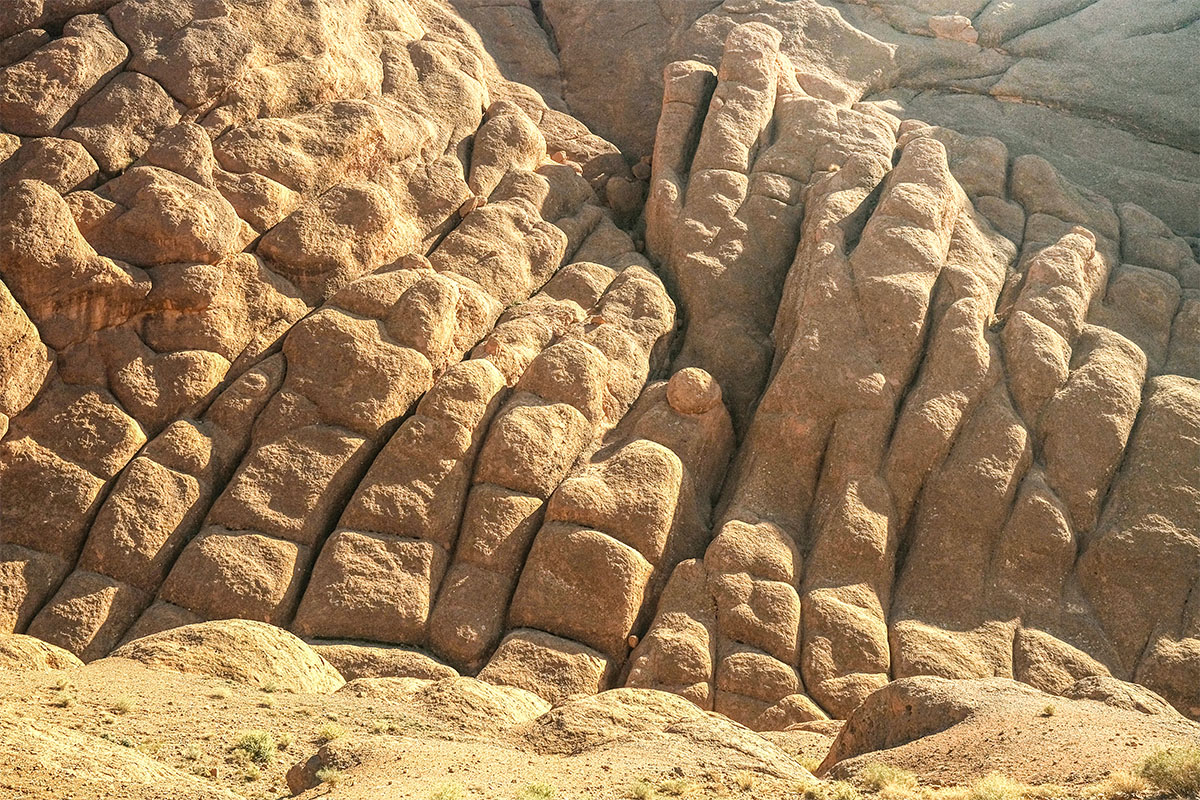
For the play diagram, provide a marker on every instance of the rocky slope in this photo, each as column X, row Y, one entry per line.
column 200, row 712
column 344, row 317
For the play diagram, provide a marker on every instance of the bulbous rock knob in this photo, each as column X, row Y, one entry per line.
column 693, row 391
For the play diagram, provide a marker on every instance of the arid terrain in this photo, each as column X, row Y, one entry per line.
column 537, row 399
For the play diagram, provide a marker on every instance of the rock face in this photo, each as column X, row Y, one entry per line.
column 343, row 319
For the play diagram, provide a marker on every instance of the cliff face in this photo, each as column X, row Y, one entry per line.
column 342, row 316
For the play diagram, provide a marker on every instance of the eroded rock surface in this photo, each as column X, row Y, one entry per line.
column 345, row 320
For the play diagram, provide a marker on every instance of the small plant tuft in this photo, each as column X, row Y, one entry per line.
column 123, row 705
column 284, row 741
column 1049, row 711
column 329, row 775
column 251, row 773
column 643, row 790
column 220, row 693
column 256, row 746
column 63, row 701
column 837, row 790
column 191, row 753
column 538, row 791
column 448, row 791
column 1174, row 769
column 810, row 763
column 677, row 787
column 746, row 781
column 1118, row 785
column 329, row 732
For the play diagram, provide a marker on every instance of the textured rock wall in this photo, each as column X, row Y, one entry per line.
column 335, row 317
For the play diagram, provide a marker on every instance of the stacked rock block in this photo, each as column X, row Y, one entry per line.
column 378, row 577
column 937, row 478
column 571, row 392
column 186, row 191
column 355, row 369
column 612, row 531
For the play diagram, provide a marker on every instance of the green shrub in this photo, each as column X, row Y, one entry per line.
column 1174, row 769
column 256, row 746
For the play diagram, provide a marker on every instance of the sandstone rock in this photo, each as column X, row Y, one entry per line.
column 38, row 94
column 325, row 318
column 356, row 661
column 237, row 650
column 466, row 702
column 27, row 652
column 900, row 724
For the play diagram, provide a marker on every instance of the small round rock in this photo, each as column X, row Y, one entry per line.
column 693, row 391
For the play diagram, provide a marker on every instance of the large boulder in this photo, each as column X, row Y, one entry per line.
column 238, row 650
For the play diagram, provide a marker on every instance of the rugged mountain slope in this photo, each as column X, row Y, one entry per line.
column 332, row 316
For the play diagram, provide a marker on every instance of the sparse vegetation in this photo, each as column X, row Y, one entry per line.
column 677, row 787
column 267, row 702
column 746, row 781
column 251, row 773
column 63, row 701
column 448, row 791
column 329, row 732
column 1049, row 711
column 643, row 790
column 810, row 763
column 60, row 684
column 837, row 790
column 996, row 787
column 270, row 686
column 878, row 776
column 329, row 775
column 123, row 705
column 191, row 753
column 1174, row 769
column 284, row 741
column 220, row 693
column 538, row 791
column 256, row 746
column 1119, row 785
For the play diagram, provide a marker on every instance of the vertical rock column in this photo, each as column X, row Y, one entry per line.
column 614, row 530
column 378, row 575
column 577, row 388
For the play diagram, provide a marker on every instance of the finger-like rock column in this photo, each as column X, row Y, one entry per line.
column 613, row 531
column 572, row 392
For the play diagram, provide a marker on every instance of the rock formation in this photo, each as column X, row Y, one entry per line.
column 345, row 318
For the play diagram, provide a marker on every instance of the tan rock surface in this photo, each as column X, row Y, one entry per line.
column 237, row 650
column 344, row 318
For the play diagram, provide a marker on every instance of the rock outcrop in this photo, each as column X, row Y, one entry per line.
column 984, row 726
column 344, row 318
